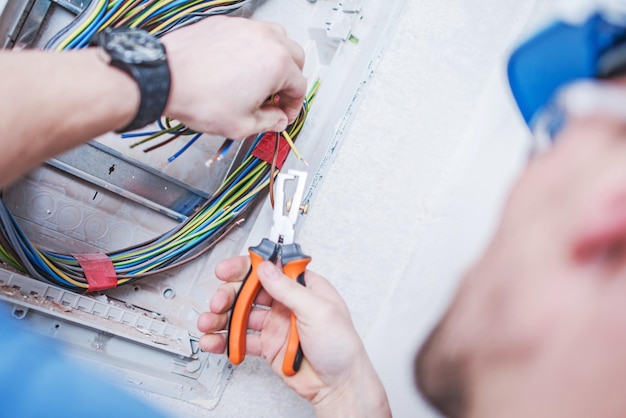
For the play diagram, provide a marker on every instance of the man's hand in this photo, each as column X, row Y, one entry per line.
column 224, row 70
column 336, row 374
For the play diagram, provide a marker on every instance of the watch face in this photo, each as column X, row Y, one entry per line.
column 133, row 46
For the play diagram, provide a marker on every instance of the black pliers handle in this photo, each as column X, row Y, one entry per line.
column 294, row 263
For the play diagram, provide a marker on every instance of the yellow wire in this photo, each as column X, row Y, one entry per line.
column 180, row 236
column 191, row 9
column 117, row 14
column 60, row 273
column 81, row 28
column 293, row 147
column 147, row 12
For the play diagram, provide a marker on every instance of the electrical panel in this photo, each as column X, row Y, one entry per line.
column 105, row 195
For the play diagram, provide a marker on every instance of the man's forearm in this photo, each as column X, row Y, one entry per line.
column 51, row 102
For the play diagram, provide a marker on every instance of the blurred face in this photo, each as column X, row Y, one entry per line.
column 538, row 326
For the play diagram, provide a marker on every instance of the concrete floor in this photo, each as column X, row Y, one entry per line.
column 415, row 191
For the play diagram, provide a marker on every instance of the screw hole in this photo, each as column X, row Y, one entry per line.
column 19, row 313
column 169, row 293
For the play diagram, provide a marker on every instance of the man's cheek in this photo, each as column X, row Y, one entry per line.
column 523, row 317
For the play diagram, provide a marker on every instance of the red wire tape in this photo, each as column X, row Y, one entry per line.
column 265, row 149
column 99, row 271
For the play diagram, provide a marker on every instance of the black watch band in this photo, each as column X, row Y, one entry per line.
column 154, row 87
column 143, row 57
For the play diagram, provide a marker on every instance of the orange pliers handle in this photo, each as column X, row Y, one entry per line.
column 294, row 264
column 238, row 325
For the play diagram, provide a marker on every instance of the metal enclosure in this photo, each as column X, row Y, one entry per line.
column 104, row 196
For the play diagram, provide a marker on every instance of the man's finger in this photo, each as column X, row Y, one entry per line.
column 233, row 269
column 210, row 322
column 213, row 343
column 278, row 28
column 296, row 51
column 256, row 319
column 223, row 299
column 290, row 293
column 292, row 93
column 270, row 118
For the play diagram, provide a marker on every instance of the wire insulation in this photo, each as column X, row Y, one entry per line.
column 224, row 211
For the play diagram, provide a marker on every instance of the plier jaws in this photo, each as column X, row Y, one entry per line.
column 282, row 230
column 279, row 247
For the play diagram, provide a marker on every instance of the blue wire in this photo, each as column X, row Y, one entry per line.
column 32, row 255
column 161, row 124
column 246, row 170
column 190, row 243
column 89, row 33
column 93, row 26
column 254, row 144
column 163, row 10
column 136, row 134
column 227, row 147
column 184, row 247
column 185, row 148
column 160, row 242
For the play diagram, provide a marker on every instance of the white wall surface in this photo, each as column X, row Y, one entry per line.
column 423, row 172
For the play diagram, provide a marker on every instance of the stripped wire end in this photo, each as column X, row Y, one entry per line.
column 293, row 147
column 208, row 163
column 220, row 154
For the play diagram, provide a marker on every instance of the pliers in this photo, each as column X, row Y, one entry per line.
column 279, row 246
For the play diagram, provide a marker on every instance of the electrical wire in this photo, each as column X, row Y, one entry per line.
column 220, row 214
column 199, row 233
column 158, row 17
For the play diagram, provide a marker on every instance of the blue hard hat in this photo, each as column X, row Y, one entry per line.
column 562, row 53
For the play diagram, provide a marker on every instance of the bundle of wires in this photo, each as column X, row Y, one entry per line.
column 172, row 132
column 199, row 233
column 155, row 16
column 158, row 17
column 192, row 238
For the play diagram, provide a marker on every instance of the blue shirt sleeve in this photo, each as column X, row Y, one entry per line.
column 37, row 379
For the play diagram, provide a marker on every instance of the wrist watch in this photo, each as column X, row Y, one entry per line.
column 142, row 56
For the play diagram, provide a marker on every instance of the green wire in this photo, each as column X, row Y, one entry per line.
column 101, row 4
column 6, row 256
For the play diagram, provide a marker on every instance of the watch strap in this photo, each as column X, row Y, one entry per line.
column 154, row 83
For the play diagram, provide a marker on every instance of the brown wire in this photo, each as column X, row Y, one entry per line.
column 273, row 169
column 167, row 141
column 135, row 11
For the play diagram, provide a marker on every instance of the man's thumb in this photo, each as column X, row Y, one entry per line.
column 286, row 291
column 271, row 118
